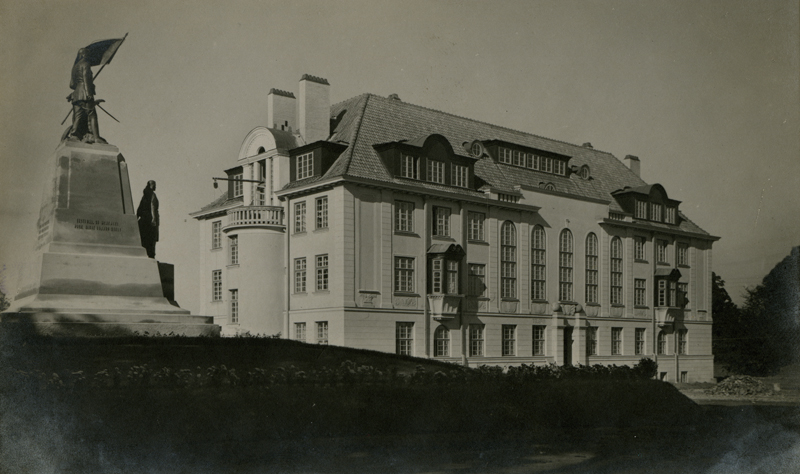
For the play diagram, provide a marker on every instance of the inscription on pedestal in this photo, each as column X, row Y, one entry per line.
column 98, row 225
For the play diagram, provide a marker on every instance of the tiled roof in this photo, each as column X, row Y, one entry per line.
column 220, row 202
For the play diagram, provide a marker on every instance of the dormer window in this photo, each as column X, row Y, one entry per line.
column 459, row 177
column 409, row 167
column 305, row 165
column 584, row 172
column 476, row 149
column 670, row 218
column 532, row 161
column 641, row 209
column 435, row 171
column 238, row 190
column 505, row 155
column 655, row 212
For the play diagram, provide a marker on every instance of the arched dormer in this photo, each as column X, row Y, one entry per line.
column 265, row 140
column 428, row 158
column 649, row 203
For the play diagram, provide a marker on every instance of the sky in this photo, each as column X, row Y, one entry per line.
column 705, row 93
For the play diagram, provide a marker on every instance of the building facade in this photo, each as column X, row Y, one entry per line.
column 379, row 224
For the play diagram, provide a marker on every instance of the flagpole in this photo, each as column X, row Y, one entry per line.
column 112, row 57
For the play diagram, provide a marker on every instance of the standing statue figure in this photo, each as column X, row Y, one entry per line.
column 84, row 114
column 147, row 213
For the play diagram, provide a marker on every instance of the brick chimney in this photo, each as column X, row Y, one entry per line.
column 634, row 164
column 281, row 110
column 314, row 108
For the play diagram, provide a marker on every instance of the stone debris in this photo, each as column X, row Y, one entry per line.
column 740, row 385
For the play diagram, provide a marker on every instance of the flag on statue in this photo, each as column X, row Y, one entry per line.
column 102, row 52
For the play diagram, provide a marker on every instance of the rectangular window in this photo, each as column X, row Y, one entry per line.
column 682, row 341
column 435, row 171
column 238, row 190
column 216, row 285
column 305, row 166
column 661, row 251
column 322, row 272
column 452, row 277
column 655, row 212
column 561, row 167
column 616, row 272
column 640, row 292
column 441, row 338
column 476, row 220
column 233, row 246
column 547, row 164
column 299, row 217
column 300, row 331
column 476, row 339
column 509, row 340
column 529, row 160
column 663, row 295
column 505, row 155
column 683, row 295
column 216, row 234
column 684, row 377
column 234, row 306
column 591, row 341
column 591, row 271
column 409, row 167
column 404, row 333
column 404, row 274
column 300, row 275
column 477, row 279
column 436, row 275
column 322, row 212
column 639, row 347
column 662, row 343
column 641, row 210
column 538, row 266
column 639, row 249
column 519, row 158
column 508, row 271
column 322, row 332
column 538, row 340
column 403, row 216
column 441, row 221
column 459, row 177
column 670, row 218
column 616, row 341
column 536, row 162
column 683, row 254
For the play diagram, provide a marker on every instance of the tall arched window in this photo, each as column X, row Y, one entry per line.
column 441, row 338
column 616, row 270
column 565, row 266
column 508, row 260
column 538, row 266
column 591, row 268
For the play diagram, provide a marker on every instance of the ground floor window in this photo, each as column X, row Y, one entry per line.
column 441, row 342
column 300, row 331
column 509, row 340
column 234, row 306
column 538, row 340
column 682, row 341
column 591, row 341
column 616, row 341
column 476, row 339
column 684, row 377
column 322, row 332
column 639, row 349
column 404, row 333
column 662, row 343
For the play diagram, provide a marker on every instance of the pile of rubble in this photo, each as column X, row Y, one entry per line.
column 741, row 385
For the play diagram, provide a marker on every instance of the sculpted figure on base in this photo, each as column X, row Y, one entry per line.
column 84, row 114
column 148, row 218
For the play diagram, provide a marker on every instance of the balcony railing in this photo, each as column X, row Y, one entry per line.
column 255, row 216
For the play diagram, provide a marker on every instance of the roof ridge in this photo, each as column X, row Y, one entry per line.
column 494, row 125
column 337, row 104
column 347, row 156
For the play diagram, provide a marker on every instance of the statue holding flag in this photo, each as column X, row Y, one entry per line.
column 84, row 115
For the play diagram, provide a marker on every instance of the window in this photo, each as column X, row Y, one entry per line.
column 616, row 270
column 683, row 254
column 476, row 220
column 662, row 293
column 476, row 149
column 591, row 341
column 519, row 158
column 538, row 263
column 234, row 306
column 638, row 248
column 682, row 341
column 639, row 292
column 435, row 171
column 668, row 293
column 404, row 274
column 505, row 155
column 684, row 377
column 403, row 216
column 565, row 266
column 322, row 272
column 300, row 275
column 584, row 172
column 550, row 187
column 305, row 166
column 459, row 177
column 409, row 167
column 538, row 340
column 509, row 340
column 299, row 217
column 670, row 218
column 322, row 332
column 591, row 268
column 441, row 221
column 507, row 197
column 661, row 251
column 616, row 341
column 655, row 212
column 322, row 212
column 547, row 164
column 641, row 210
column 683, row 293
column 216, row 285
column 441, row 342
column 216, row 234
column 662, row 342
column 300, row 331
column 508, row 260
column 535, row 160
column 405, row 338
column 436, row 275
column 560, row 167
column 452, row 277
column 233, row 246
column 476, row 339
column 477, row 279
column 238, row 190
column 638, row 347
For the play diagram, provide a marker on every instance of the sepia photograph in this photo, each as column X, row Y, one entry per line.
column 400, row 236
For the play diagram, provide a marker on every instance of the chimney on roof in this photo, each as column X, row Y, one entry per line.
column 394, row 97
column 634, row 164
column 314, row 108
column 281, row 110
column 587, row 145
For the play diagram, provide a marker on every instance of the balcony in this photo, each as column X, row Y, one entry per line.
column 265, row 217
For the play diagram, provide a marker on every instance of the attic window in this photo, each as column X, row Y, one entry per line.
column 547, row 186
column 532, row 161
column 305, row 166
column 476, row 149
column 584, row 172
column 670, row 219
column 641, row 209
column 409, row 167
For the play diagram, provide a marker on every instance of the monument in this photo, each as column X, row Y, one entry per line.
column 90, row 275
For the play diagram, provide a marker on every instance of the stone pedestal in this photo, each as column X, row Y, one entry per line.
column 89, row 274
